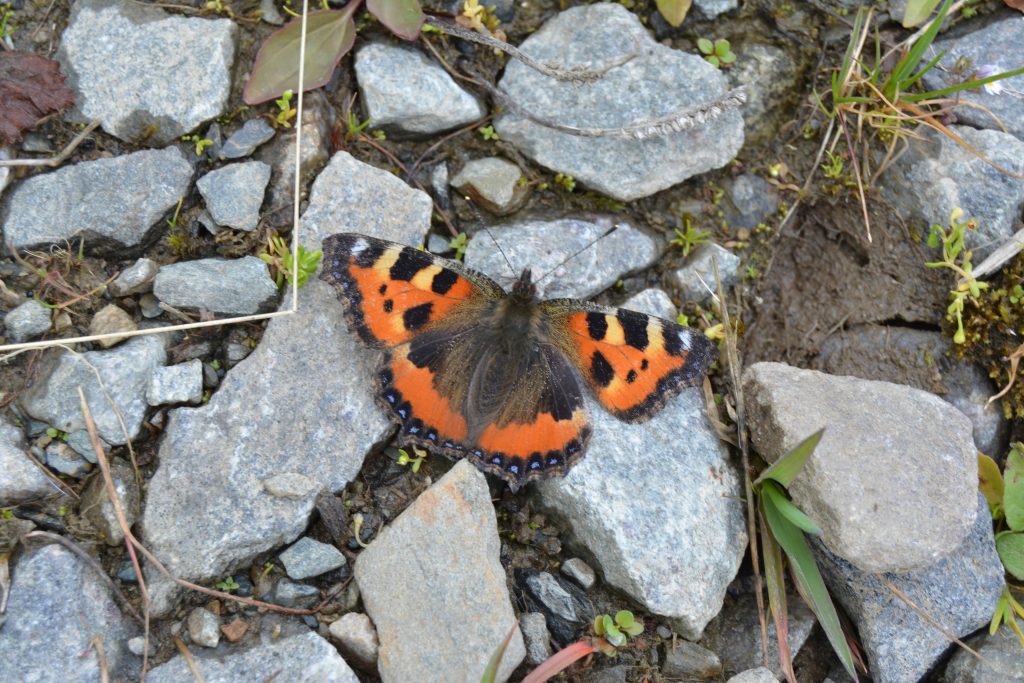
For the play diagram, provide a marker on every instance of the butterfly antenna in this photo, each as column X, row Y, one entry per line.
column 579, row 251
column 480, row 220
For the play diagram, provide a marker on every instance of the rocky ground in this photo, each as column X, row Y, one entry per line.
column 252, row 458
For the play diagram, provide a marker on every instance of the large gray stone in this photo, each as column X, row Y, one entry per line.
column 937, row 175
column 1001, row 661
column 20, row 478
column 892, row 483
column 113, row 203
column 435, row 588
column 149, row 76
column 959, row 592
column 123, row 375
column 209, row 508
column 656, row 82
column 58, row 608
column 229, row 286
column 658, row 506
column 696, row 280
column 543, row 245
column 408, row 94
column 303, row 658
column 234, row 193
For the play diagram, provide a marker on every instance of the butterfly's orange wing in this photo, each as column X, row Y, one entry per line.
column 633, row 362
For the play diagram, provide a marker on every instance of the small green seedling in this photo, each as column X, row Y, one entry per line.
column 718, row 53
column 1004, row 493
column 459, row 244
column 832, row 168
column 405, row 459
column 689, row 237
column 566, row 182
column 228, row 584
column 355, row 126
column 55, row 433
column 615, row 633
column 488, row 133
column 6, row 27
column 279, row 257
column 286, row 113
column 952, row 242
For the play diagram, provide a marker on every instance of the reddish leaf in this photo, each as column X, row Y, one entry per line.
column 30, row 88
column 404, row 18
column 1015, row 4
column 329, row 36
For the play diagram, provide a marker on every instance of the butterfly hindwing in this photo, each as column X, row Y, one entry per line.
column 633, row 362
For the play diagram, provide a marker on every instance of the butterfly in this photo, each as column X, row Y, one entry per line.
column 471, row 371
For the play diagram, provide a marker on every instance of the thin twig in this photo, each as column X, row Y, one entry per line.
column 101, row 658
column 924, row 615
column 190, row 662
column 60, row 158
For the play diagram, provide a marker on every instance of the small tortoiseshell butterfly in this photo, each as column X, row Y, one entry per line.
column 473, row 372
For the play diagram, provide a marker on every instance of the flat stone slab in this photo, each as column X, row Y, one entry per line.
column 874, row 509
column 229, row 286
column 113, row 203
column 434, row 587
column 147, row 75
column 234, row 193
column 656, row 82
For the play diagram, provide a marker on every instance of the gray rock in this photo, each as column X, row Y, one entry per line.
column 993, row 45
column 124, row 372
column 432, row 583
column 181, row 383
column 318, row 118
column 580, row 572
column 652, row 301
column 1001, row 660
column 921, row 359
column 293, row 594
column 80, row 441
column 771, row 77
column 311, row 558
column 494, row 183
column 98, row 509
column 204, row 627
column 689, row 661
column 66, row 460
column 234, row 352
column 115, row 204
column 303, row 657
column 937, row 175
column 543, row 245
column 535, row 637
column 408, row 94
column 712, row 8
column 662, row 529
column 234, row 193
column 204, row 511
column 229, row 286
column 873, row 509
column 759, row 675
column 734, row 635
column 959, row 592
column 753, row 199
column 567, row 609
column 20, row 478
column 698, row 275
column 111, row 319
column 169, row 72
column 137, row 646
column 357, row 639
column 136, row 279
column 28, row 320
column 150, row 306
column 290, row 485
column 246, row 139
column 58, row 606
column 623, row 168
column 439, row 185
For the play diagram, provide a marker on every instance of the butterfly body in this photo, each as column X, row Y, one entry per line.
column 472, row 371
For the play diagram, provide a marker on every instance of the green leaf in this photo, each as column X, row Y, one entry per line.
column 624, row 618
column 705, row 46
column 674, row 11
column 491, row 672
column 990, row 482
column 404, row 18
column 329, row 36
column 806, row 573
column 1013, row 491
column 917, row 11
column 770, row 489
column 788, row 466
column 1010, row 546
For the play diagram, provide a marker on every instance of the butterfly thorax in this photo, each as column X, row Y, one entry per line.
column 524, row 291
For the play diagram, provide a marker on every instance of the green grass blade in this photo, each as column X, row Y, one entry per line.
column 925, row 69
column 787, row 509
column 788, row 466
column 917, row 50
column 967, row 85
column 806, row 573
column 491, row 672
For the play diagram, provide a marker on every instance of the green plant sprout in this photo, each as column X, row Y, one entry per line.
column 952, row 243
column 286, row 113
column 615, row 633
column 488, row 133
column 228, row 584
column 832, row 168
column 405, row 459
column 279, row 257
column 459, row 244
column 689, row 238
column 719, row 53
column 6, row 28
column 357, row 526
column 1004, row 493
column 565, row 181
column 172, row 222
column 55, row 433
column 355, row 127
column 200, row 143
column 479, row 17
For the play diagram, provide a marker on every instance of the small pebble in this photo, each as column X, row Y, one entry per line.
column 235, row 630
column 580, row 572
column 204, row 627
column 111, row 319
column 136, row 279
column 28, row 320
column 137, row 644
column 357, row 640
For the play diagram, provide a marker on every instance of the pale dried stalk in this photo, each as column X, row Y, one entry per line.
column 60, row 158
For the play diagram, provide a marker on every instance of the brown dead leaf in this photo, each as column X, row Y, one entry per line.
column 30, row 88
column 1015, row 4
